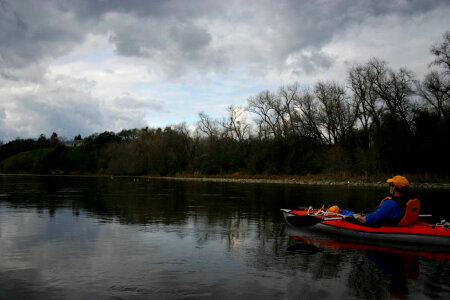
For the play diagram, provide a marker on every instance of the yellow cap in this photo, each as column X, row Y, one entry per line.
column 399, row 181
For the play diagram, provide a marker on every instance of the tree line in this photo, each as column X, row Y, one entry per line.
column 379, row 120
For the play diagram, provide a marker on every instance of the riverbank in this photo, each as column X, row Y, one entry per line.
column 316, row 180
column 379, row 181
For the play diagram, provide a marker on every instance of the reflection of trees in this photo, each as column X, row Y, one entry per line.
column 243, row 219
column 228, row 205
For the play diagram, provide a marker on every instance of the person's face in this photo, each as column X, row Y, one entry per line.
column 391, row 188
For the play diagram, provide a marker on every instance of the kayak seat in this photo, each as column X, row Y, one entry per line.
column 411, row 213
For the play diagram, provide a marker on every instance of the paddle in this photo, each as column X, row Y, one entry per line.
column 306, row 220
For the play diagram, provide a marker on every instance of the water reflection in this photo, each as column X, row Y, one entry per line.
column 78, row 237
column 398, row 268
column 143, row 201
column 395, row 265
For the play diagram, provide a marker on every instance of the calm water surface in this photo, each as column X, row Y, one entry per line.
column 125, row 238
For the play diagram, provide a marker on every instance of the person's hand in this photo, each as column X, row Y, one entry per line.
column 360, row 218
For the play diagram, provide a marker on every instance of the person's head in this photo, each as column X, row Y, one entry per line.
column 398, row 185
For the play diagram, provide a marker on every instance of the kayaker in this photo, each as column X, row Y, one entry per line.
column 391, row 209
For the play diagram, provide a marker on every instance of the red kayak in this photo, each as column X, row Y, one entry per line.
column 419, row 233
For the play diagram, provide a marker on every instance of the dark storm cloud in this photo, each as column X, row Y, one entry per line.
column 158, row 9
column 180, row 44
column 311, row 62
column 32, row 30
column 6, row 75
column 406, row 8
column 35, row 30
column 190, row 37
column 315, row 23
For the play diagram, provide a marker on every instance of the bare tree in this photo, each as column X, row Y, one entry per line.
column 277, row 113
column 263, row 130
column 307, row 116
column 361, row 81
column 338, row 116
column 235, row 127
column 263, row 106
column 287, row 96
column 434, row 90
column 394, row 88
column 441, row 51
column 207, row 125
column 190, row 143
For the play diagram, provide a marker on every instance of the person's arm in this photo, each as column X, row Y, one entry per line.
column 382, row 213
column 346, row 212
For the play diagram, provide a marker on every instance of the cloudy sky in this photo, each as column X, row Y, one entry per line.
column 88, row 66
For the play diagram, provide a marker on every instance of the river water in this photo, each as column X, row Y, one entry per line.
column 133, row 238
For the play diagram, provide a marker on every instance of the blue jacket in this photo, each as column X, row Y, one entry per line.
column 388, row 211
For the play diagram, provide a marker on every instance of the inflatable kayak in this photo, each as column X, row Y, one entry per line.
column 418, row 233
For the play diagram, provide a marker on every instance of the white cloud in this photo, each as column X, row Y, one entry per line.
column 64, row 105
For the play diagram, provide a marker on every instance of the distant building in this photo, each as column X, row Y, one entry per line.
column 76, row 143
